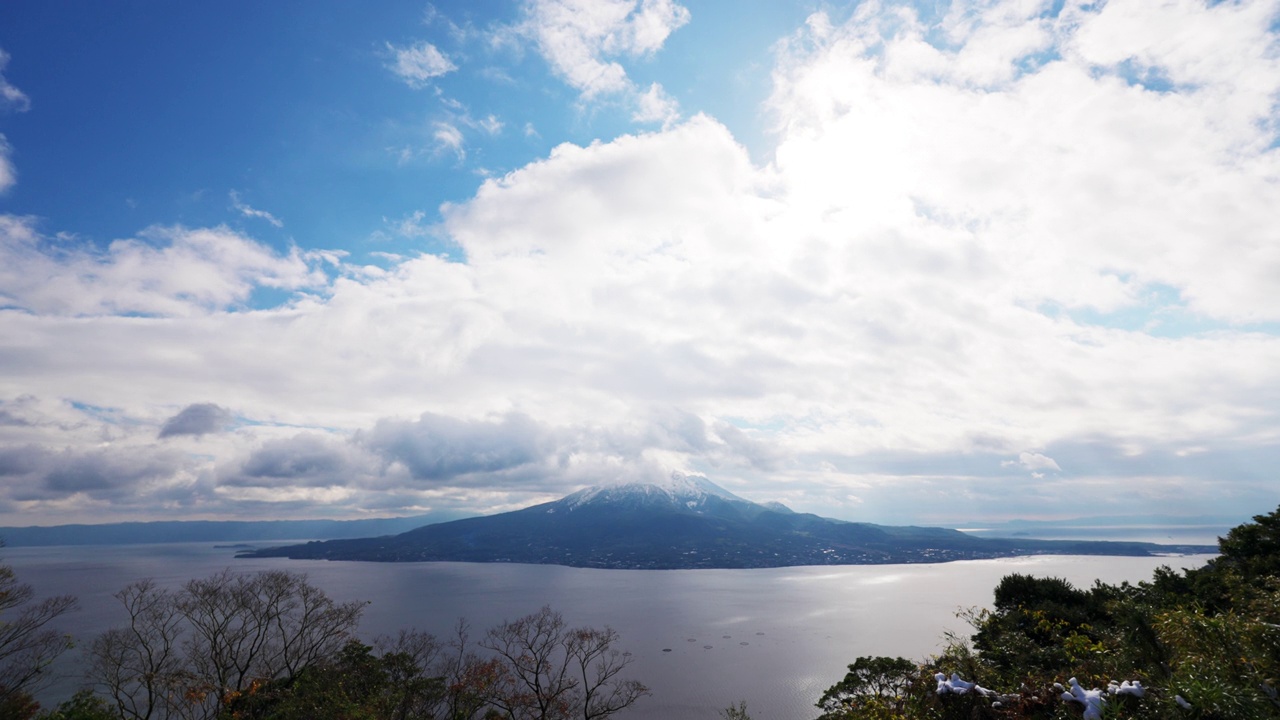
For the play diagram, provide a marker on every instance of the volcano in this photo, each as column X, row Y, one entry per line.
column 686, row 522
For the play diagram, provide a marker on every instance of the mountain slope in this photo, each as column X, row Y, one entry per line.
column 686, row 523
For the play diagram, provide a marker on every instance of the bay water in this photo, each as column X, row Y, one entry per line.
column 700, row 639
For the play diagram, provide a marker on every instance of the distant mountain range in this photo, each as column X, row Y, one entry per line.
column 138, row 533
column 687, row 522
column 1228, row 521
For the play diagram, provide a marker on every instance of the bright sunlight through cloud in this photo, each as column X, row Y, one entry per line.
column 994, row 256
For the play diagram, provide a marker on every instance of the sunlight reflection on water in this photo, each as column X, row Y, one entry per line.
column 882, row 579
column 792, row 630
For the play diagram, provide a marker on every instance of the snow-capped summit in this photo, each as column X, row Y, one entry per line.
column 693, row 492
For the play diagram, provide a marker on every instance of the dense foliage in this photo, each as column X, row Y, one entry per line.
column 1202, row 643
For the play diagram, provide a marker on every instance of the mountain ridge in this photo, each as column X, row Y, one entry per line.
column 229, row 531
column 687, row 522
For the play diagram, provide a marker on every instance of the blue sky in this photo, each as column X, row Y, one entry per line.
column 157, row 115
column 941, row 263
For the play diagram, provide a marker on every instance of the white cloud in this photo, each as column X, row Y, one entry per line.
column 1035, row 159
column 8, row 175
column 449, row 139
column 11, row 98
column 1035, row 461
column 248, row 211
column 412, row 225
column 571, row 36
column 655, row 106
column 419, row 63
column 490, row 124
column 171, row 271
column 921, row 285
column 649, row 26
column 449, row 134
column 582, row 39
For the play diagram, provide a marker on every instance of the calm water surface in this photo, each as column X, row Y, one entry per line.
column 777, row 638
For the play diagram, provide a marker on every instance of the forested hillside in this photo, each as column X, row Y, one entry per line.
column 1203, row 643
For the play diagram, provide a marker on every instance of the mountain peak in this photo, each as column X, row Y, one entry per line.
column 691, row 491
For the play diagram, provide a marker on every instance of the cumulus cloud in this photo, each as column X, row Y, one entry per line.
column 36, row 473
column 583, row 40
column 197, row 419
column 105, row 470
column 23, row 460
column 419, row 63
column 166, row 271
column 439, row 448
column 1033, row 461
column 655, row 106
column 925, row 281
column 306, row 459
column 1057, row 129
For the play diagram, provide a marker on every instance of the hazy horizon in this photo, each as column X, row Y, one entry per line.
column 894, row 262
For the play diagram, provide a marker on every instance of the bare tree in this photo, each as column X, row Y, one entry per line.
column 598, row 664
column 27, row 644
column 234, row 642
column 538, row 681
column 471, row 682
column 315, row 626
column 551, row 672
column 186, row 652
column 272, row 624
column 140, row 666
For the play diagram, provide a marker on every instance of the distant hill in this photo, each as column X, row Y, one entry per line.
column 1155, row 520
column 1150, row 528
column 137, row 533
column 687, row 522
